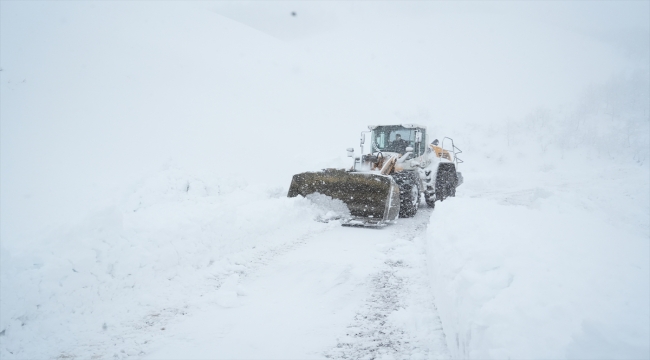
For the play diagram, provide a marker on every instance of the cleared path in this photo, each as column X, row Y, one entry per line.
column 345, row 293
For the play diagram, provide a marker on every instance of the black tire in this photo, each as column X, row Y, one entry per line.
column 409, row 193
column 459, row 179
column 430, row 200
column 446, row 181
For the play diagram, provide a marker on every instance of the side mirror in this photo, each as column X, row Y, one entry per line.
column 350, row 152
column 409, row 149
column 363, row 138
column 418, row 136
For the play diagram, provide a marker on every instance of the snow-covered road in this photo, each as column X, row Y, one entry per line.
column 343, row 293
column 221, row 270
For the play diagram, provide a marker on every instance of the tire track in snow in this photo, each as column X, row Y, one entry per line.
column 399, row 318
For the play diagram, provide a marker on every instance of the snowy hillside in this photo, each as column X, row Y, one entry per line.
column 147, row 148
column 545, row 260
column 545, row 253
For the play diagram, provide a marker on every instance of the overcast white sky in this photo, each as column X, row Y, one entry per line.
column 506, row 56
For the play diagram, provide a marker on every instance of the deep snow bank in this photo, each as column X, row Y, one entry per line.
column 548, row 262
column 172, row 240
column 97, row 95
column 545, row 251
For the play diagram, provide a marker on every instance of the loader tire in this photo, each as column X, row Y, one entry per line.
column 430, row 200
column 446, row 181
column 409, row 193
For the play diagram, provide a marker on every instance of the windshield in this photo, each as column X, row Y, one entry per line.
column 393, row 138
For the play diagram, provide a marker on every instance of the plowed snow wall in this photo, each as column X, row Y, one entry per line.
column 540, row 274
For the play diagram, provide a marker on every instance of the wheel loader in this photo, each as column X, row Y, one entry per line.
column 398, row 167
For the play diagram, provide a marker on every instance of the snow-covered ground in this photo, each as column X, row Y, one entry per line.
column 550, row 263
column 147, row 149
column 186, row 268
column 190, row 270
column 344, row 293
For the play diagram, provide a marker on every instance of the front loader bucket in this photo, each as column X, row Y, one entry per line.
column 373, row 199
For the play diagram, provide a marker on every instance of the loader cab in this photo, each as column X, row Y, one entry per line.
column 384, row 138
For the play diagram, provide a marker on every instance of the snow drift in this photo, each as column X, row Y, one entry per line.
column 544, row 251
column 175, row 239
